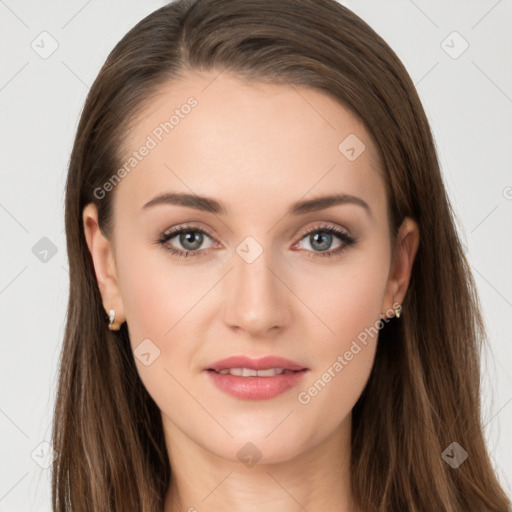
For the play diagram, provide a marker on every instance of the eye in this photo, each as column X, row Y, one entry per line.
column 191, row 238
column 321, row 238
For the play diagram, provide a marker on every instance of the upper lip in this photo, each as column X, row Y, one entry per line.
column 263, row 363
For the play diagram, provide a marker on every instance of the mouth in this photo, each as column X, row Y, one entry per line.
column 255, row 379
column 251, row 372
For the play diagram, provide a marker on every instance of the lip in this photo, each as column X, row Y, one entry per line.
column 256, row 388
column 263, row 363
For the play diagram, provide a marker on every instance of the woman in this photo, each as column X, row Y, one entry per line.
column 269, row 303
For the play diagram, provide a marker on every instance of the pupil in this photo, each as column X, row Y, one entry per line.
column 191, row 238
column 323, row 246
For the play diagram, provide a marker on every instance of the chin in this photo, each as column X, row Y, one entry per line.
column 263, row 446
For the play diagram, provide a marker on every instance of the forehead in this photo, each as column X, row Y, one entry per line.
column 247, row 143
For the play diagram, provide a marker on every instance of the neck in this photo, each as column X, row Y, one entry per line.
column 316, row 479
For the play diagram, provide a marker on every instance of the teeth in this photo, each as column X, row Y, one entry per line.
column 249, row 372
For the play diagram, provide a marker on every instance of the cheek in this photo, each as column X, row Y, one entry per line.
column 165, row 299
column 156, row 293
column 160, row 301
column 349, row 305
column 346, row 299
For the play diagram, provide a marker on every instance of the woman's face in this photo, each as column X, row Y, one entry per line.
column 264, row 277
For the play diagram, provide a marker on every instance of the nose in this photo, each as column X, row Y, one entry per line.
column 257, row 298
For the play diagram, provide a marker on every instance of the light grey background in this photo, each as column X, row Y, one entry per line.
column 468, row 100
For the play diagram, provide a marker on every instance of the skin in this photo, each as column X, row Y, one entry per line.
column 256, row 148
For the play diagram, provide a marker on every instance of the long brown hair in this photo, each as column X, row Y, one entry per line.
column 423, row 393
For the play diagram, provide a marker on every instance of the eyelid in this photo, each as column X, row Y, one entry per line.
column 193, row 227
column 184, row 227
column 325, row 226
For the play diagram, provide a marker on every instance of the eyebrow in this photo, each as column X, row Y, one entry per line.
column 210, row 205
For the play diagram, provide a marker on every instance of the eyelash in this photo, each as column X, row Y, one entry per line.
column 164, row 237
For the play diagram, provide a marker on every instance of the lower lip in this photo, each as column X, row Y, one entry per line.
column 256, row 388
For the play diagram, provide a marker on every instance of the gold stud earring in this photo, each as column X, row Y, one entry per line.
column 111, row 318
column 398, row 311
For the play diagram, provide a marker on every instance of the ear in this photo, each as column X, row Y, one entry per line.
column 406, row 247
column 104, row 264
